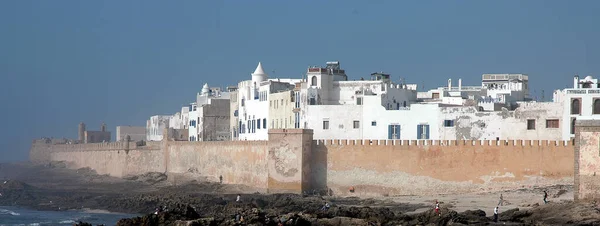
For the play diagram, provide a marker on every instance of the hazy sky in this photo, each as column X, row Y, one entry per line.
column 119, row 62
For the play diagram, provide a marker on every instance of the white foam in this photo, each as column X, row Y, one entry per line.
column 8, row 212
column 67, row 222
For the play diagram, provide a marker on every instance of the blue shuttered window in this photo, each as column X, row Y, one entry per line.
column 422, row 131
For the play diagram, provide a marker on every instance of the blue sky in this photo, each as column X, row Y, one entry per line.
column 119, row 62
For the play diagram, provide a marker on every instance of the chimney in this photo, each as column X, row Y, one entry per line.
column 449, row 84
column 459, row 84
column 576, row 82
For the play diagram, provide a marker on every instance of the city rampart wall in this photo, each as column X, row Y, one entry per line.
column 388, row 167
column 291, row 161
column 117, row 159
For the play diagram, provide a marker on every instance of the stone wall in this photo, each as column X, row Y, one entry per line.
column 239, row 162
column 387, row 167
column 116, row 159
column 587, row 160
column 291, row 161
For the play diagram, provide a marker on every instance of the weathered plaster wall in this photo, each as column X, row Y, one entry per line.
column 383, row 167
column 289, row 160
column 587, row 160
column 470, row 124
column 239, row 162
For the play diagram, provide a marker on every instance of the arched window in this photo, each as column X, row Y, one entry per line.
column 575, row 107
column 573, row 125
column 596, row 109
column 313, row 81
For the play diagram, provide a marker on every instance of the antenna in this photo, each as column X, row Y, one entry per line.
column 542, row 95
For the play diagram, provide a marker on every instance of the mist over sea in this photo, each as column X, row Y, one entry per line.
column 11, row 215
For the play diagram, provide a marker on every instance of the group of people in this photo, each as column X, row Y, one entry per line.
column 500, row 203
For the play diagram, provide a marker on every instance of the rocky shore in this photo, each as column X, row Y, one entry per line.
column 53, row 187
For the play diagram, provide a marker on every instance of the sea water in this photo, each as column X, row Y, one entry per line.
column 10, row 215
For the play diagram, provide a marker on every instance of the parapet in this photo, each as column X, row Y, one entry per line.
column 447, row 142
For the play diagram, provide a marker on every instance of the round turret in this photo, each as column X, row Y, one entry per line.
column 259, row 75
column 81, row 131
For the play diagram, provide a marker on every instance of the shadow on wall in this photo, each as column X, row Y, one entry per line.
column 319, row 167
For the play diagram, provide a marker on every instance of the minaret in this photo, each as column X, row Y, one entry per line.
column 103, row 127
column 81, row 132
column 259, row 75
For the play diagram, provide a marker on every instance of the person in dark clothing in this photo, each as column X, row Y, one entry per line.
column 221, row 179
column 496, row 214
column 545, row 197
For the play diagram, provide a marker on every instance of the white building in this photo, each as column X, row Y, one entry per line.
column 497, row 91
column 582, row 102
column 380, row 109
column 180, row 119
column 209, row 116
column 155, row 127
column 254, row 101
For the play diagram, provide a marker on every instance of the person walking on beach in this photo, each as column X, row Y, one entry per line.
column 545, row 197
column 437, row 208
column 221, row 179
column 496, row 214
column 501, row 202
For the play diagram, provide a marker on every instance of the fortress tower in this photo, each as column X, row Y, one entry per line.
column 81, row 132
column 103, row 127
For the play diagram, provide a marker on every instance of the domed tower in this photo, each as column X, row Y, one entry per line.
column 259, row 75
column 103, row 127
column 81, row 132
column 205, row 90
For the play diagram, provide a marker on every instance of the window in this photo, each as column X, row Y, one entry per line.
column 264, row 123
column 423, row 131
column 235, row 113
column 448, row 123
column 258, row 124
column 313, row 81
column 530, row 124
column 297, row 122
column 272, row 123
column 551, row 123
column 393, row 132
column 573, row 125
column 575, row 106
column 596, row 109
column 356, row 124
column 313, row 101
column 325, row 124
column 359, row 101
column 243, row 101
column 374, row 123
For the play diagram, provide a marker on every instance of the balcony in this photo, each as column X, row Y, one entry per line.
column 583, row 91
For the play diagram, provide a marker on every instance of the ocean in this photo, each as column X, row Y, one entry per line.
column 10, row 215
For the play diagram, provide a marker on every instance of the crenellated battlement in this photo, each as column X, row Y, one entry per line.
column 89, row 147
column 447, row 142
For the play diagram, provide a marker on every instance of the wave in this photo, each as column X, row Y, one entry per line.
column 67, row 222
column 8, row 212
